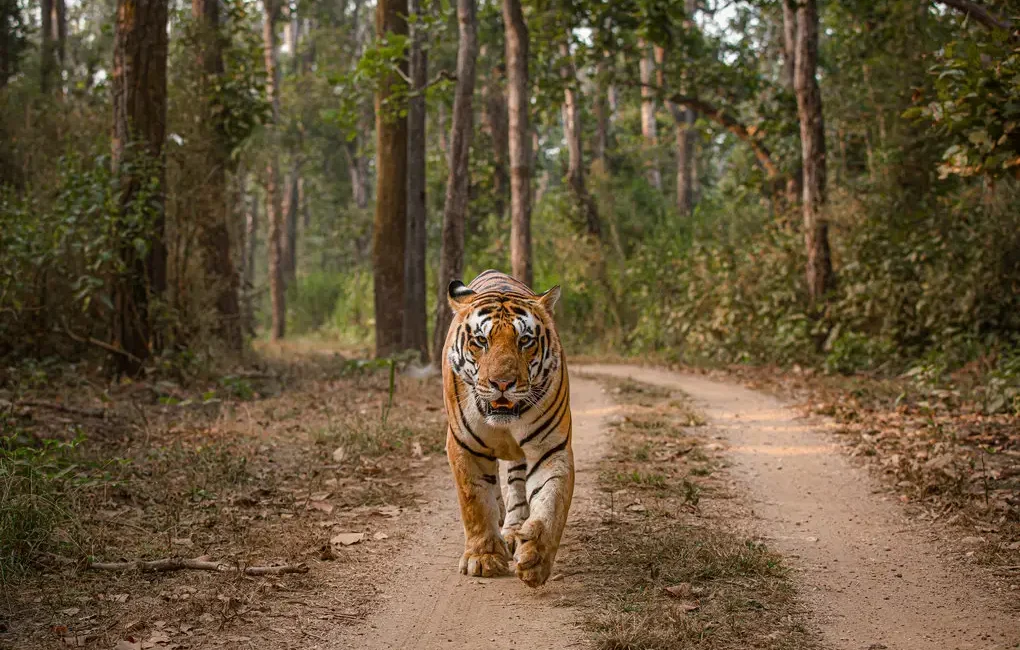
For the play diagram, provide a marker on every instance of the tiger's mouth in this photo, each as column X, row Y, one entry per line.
column 501, row 409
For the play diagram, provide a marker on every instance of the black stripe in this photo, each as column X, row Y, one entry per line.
column 518, row 468
column 519, row 505
column 539, row 488
column 555, row 450
column 489, row 478
column 560, row 409
column 516, row 479
column 471, row 451
column 460, row 411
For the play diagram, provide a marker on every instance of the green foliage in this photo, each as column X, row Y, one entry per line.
column 38, row 484
column 976, row 106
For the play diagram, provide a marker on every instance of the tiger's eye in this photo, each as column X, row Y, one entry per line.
column 481, row 341
column 526, row 341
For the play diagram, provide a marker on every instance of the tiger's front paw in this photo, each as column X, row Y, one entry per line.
column 487, row 559
column 511, row 535
column 534, row 555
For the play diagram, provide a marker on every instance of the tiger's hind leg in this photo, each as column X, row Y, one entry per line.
column 477, row 479
column 516, row 501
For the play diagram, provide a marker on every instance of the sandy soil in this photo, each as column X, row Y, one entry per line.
column 872, row 578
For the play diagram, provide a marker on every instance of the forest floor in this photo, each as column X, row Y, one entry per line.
column 705, row 515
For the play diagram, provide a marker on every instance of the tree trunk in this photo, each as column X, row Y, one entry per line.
column 601, row 110
column 795, row 183
column 291, row 208
column 251, row 245
column 444, row 142
column 683, row 126
column 494, row 120
column 415, row 319
column 451, row 258
column 139, row 129
column 60, row 32
column 812, row 136
column 389, row 235
column 575, row 154
column 519, row 138
column 274, row 200
column 648, row 130
column 47, row 63
column 213, row 214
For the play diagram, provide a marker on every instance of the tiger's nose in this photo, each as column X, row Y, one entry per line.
column 503, row 385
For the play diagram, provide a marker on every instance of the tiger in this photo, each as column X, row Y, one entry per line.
column 507, row 397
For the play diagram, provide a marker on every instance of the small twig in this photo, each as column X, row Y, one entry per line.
column 101, row 344
column 202, row 563
column 63, row 408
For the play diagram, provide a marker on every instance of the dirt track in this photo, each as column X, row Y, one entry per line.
column 871, row 579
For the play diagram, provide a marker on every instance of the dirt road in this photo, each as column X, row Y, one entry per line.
column 871, row 579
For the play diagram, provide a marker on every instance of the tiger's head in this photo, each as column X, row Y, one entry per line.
column 504, row 347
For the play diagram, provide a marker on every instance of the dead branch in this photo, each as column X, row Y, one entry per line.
column 980, row 14
column 202, row 563
column 63, row 408
column 100, row 344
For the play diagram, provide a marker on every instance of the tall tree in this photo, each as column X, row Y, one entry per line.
column 274, row 202
column 494, row 121
column 519, row 137
column 601, row 109
column 251, row 246
column 12, row 38
column 214, row 150
column 648, row 126
column 683, row 127
column 389, row 235
column 451, row 257
column 812, row 138
column 47, row 58
column 794, row 187
column 415, row 319
column 572, row 132
column 139, row 131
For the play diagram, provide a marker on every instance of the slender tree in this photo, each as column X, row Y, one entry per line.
column 274, row 202
column 213, row 148
column 683, row 127
column 389, row 234
column 648, row 126
column 794, row 186
column 251, row 245
column 601, row 110
column 572, row 132
column 451, row 257
column 494, row 121
column 519, row 136
column 812, row 137
column 415, row 319
column 47, row 61
column 139, row 129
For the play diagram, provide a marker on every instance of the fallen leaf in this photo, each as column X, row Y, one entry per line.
column 637, row 507
column 321, row 506
column 128, row 644
column 182, row 541
column 346, row 539
column 388, row 511
column 320, row 496
column 338, row 455
column 682, row 590
column 379, row 536
column 74, row 641
column 70, row 611
column 416, row 450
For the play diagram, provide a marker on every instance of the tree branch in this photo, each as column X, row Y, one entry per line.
column 724, row 119
column 202, row 563
column 980, row 14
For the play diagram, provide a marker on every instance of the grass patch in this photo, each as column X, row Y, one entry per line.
column 659, row 569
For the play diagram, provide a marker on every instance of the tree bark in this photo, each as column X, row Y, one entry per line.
column 519, row 138
column 683, row 127
column 494, row 120
column 389, row 235
column 451, row 258
column 139, row 129
column 251, row 245
column 415, row 318
column 648, row 126
column 47, row 62
column 575, row 153
column 601, row 110
column 274, row 200
column 795, row 183
column 812, row 136
column 291, row 209
column 213, row 213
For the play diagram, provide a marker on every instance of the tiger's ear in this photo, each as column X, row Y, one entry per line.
column 549, row 299
column 458, row 295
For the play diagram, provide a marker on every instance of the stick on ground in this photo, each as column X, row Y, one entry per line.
column 202, row 563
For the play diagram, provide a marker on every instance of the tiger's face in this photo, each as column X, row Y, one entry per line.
column 505, row 350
